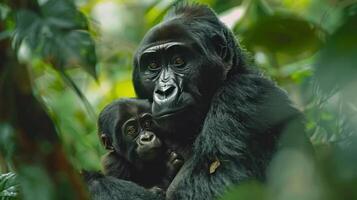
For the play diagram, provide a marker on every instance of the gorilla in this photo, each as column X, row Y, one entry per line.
column 135, row 150
column 224, row 117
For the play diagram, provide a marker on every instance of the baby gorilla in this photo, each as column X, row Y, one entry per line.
column 136, row 153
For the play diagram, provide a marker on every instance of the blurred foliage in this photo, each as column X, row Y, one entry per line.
column 309, row 47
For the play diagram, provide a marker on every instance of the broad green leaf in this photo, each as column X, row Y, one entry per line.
column 63, row 14
column 28, row 25
column 289, row 36
column 284, row 35
column 58, row 34
column 78, row 48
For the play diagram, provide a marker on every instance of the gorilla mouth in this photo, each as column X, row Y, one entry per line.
column 150, row 153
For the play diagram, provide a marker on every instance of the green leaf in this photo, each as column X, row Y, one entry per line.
column 9, row 187
column 77, row 48
column 58, row 34
column 28, row 25
column 336, row 65
column 63, row 14
column 288, row 37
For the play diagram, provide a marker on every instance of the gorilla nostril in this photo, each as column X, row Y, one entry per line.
column 147, row 138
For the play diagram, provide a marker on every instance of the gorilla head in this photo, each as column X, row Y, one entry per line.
column 180, row 64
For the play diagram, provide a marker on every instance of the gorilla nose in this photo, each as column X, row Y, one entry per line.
column 146, row 138
column 165, row 93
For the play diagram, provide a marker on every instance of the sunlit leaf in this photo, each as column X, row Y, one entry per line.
column 124, row 88
column 156, row 13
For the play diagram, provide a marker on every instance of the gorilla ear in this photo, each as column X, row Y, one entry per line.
column 106, row 141
column 223, row 50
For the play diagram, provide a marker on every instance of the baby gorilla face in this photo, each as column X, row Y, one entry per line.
column 138, row 132
column 136, row 152
column 126, row 126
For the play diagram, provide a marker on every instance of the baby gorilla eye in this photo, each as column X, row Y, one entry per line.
column 131, row 130
column 178, row 61
column 153, row 66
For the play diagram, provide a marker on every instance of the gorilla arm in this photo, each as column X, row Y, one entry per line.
column 238, row 138
column 110, row 188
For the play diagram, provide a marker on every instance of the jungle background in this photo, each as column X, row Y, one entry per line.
column 62, row 61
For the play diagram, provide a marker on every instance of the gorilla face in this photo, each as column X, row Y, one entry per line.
column 167, row 67
column 126, row 126
column 179, row 71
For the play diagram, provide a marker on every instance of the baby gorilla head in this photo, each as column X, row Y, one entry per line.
column 126, row 127
column 136, row 152
column 139, row 139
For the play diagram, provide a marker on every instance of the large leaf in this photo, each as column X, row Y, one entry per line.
column 63, row 14
column 336, row 65
column 9, row 187
column 58, row 33
column 285, row 35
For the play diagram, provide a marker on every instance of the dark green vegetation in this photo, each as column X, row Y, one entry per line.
column 47, row 123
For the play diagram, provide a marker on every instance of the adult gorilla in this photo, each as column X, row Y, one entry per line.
column 227, row 115
column 193, row 70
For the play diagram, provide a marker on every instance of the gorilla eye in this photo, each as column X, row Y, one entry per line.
column 153, row 66
column 131, row 130
column 179, row 61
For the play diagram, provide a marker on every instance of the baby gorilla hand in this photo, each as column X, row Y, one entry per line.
column 174, row 163
column 158, row 191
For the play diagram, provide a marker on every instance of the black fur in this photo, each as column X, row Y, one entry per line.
column 122, row 161
column 107, row 188
column 241, row 114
